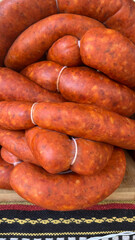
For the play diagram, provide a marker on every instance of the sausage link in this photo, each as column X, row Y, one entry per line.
column 9, row 157
column 32, row 44
column 124, row 20
column 15, row 142
column 55, row 152
column 21, row 89
column 100, row 10
column 15, row 115
column 92, row 157
column 69, row 191
column 118, row 14
column 65, row 51
column 5, row 172
column 85, row 85
column 16, row 16
column 86, row 121
column 44, row 73
column 115, row 54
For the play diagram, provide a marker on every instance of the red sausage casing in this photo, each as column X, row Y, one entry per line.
column 53, row 150
column 32, row 44
column 85, row 85
column 9, row 157
column 118, row 14
column 5, row 171
column 86, row 121
column 56, row 152
column 69, row 191
column 21, row 89
column 124, row 20
column 44, row 73
column 65, row 51
column 15, row 115
column 15, row 142
column 110, row 52
column 16, row 16
column 100, row 10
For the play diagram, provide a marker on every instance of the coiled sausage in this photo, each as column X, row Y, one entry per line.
column 30, row 47
column 56, row 152
column 69, row 191
column 16, row 16
column 118, row 14
column 14, row 86
column 83, row 85
column 86, row 121
column 115, row 54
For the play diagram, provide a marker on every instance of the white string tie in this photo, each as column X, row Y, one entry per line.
column 79, row 43
column 31, row 115
column 57, row 5
column 58, row 79
column 16, row 163
column 76, row 151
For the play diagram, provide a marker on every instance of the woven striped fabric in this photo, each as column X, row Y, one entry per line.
column 107, row 221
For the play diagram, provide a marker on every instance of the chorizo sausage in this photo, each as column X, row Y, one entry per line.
column 56, row 152
column 69, row 191
column 86, row 121
column 16, row 16
column 66, row 52
column 15, row 142
column 115, row 54
column 5, row 172
column 15, row 115
column 100, row 10
column 30, row 47
column 85, row 85
column 44, row 73
column 53, row 150
column 9, row 157
column 21, row 89
column 118, row 14
column 124, row 20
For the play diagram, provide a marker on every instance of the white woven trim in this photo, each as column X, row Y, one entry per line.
column 76, row 151
column 112, row 236
column 58, row 79
column 31, row 114
column 57, row 5
column 79, row 43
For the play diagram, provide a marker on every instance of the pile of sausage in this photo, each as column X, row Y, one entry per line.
column 67, row 97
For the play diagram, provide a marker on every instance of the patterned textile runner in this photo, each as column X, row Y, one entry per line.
column 26, row 221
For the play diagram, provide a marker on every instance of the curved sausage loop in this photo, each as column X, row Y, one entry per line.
column 66, row 192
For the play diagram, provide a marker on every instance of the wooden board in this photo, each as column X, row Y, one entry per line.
column 126, row 191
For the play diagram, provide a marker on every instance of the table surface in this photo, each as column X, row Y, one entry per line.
column 126, row 191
